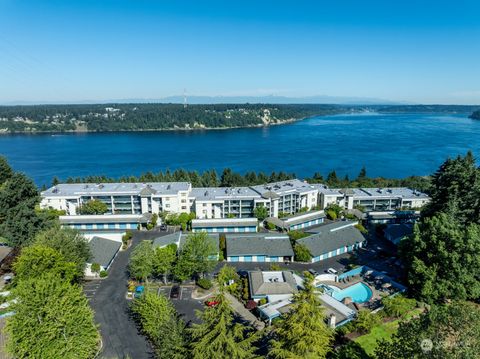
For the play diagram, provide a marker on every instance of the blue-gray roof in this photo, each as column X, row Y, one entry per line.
column 332, row 236
column 103, row 250
column 258, row 244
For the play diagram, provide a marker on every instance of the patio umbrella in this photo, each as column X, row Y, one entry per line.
column 386, row 285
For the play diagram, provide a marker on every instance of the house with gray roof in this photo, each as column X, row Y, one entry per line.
column 271, row 285
column 297, row 221
column 333, row 239
column 397, row 232
column 103, row 252
column 258, row 247
column 225, row 225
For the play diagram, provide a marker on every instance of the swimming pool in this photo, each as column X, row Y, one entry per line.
column 360, row 293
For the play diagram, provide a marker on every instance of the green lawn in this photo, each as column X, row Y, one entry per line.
column 383, row 331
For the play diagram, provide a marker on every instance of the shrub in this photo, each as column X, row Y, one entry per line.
column 262, row 301
column 366, row 321
column 95, row 268
column 331, row 215
column 302, row 254
column 103, row 274
column 275, row 267
column 361, row 228
column 204, row 283
column 245, row 293
column 270, row 226
column 398, row 305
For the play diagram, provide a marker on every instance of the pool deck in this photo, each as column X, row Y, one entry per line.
column 377, row 294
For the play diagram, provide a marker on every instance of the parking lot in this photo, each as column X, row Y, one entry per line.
column 90, row 288
column 185, row 305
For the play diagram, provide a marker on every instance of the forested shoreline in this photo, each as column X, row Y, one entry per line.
column 163, row 117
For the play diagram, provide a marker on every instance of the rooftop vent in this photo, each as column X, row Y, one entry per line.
column 169, row 187
column 206, row 193
column 55, row 190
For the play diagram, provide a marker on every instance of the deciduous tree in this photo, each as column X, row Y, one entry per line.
column 160, row 322
column 70, row 243
column 52, row 320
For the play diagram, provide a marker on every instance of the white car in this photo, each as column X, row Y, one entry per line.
column 332, row 271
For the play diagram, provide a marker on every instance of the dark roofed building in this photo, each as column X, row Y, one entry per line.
column 271, row 283
column 396, row 232
column 103, row 251
column 298, row 221
column 333, row 239
column 258, row 247
column 225, row 225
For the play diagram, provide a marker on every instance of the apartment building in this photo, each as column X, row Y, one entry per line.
column 288, row 196
column 120, row 198
column 225, row 202
column 372, row 199
column 280, row 198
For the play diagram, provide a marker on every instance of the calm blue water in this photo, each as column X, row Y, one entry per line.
column 360, row 293
column 388, row 145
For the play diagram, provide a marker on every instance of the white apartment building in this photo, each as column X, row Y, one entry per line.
column 224, row 202
column 373, row 199
column 120, row 198
column 286, row 197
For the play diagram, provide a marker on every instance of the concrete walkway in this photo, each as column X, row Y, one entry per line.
column 244, row 313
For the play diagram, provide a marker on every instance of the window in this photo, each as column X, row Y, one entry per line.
column 233, row 259
column 167, row 206
column 260, row 258
column 184, row 201
column 248, row 258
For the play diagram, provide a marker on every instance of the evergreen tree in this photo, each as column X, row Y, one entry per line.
column 52, row 320
column 456, row 190
column 219, row 337
column 442, row 259
column 197, row 256
column 6, row 171
column 332, row 179
column 446, row 331
column 303, row 333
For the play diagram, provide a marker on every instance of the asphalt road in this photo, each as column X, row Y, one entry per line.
column 120, row 335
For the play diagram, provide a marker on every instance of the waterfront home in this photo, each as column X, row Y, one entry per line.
column 258, row 247
column 333, row 239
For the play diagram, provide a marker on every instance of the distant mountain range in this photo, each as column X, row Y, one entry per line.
column 271, row 99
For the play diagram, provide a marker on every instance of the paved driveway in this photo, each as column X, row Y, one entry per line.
column 107, row 298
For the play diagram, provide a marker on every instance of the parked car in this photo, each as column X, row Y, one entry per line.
column 175, row 292
column 211, row 303
column 139, row 291
column 313, row 272
column 332, row 271
column 163, row 227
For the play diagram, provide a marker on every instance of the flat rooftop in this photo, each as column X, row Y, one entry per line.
column 285, row 187
column 98, row 189
column 221, row 193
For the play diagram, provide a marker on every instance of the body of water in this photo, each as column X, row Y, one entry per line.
column 393, row 145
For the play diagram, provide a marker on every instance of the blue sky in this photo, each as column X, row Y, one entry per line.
column 415, row 51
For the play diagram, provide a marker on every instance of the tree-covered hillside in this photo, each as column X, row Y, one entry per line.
column 137, row 117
